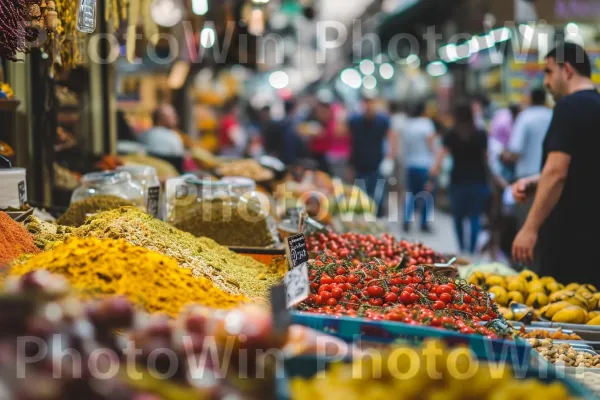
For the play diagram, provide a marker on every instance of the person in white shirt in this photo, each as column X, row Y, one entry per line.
column 418, row 140
column 163, row 140
column 526, row 144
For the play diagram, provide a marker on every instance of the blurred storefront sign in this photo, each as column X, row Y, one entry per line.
column 554, row 12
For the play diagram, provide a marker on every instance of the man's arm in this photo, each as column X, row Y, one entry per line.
column 392, row 139
column 549, row 190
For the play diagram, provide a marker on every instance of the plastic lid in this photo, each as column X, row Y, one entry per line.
column 106, row 177
column 138, row 171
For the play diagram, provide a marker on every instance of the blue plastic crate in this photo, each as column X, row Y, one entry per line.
column 517, row 353
column 307, row 366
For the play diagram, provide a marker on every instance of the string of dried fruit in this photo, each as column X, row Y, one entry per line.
column 13, row 28
column 69, row 37
column 134, row 10
column 150, row 27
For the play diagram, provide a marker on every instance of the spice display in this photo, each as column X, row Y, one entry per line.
column 98, row 267
column 544, row 334
column 381, row 375
column 564, row 354
column 230, row 272
column 414, row 295
column 365, row 247
column 227, row 221
column 80, row 210
column 14, row 240
column 14, row 29
column 247, row 169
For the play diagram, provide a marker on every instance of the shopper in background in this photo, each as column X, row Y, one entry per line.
column 560, row 230
column 369, row 131
column 418, row 145
column 469, row 191
column 479, row 107
column 283, row 140
column 526, row 144
column 232, row 138
column 321, row 144
column 163, row 140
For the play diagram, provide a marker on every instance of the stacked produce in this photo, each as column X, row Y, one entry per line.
column 356, row 246
column 564, row 354
column 414, row 295
column 230, row 272
column 105, row 267
column 247, row 169
column 80, row 210
column 14, row 240
column 543, row 334
column 574, row 303
column 381, row 375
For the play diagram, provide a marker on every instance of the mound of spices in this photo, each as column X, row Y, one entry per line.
column 230, row 272
column 104, row 267
column 226, row 221
column 80, row 210
column 14, row 240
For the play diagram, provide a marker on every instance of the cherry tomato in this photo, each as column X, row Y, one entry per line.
column 432, row 297
column 467, row 299
column 326, row 279
column 331, row 302
column 324, row 288
column 376, row 302
column 341, row 271
column 414, row 297
column 442, row 289
column 353, row 279
column 375, row 291
column 319, row 300
column 485, row 317
column 339, row 279
column 436, row 321
column 395, row 289
column 337, row 293
column 325, row 295
column 439, row 305
column 391, row 298
column 405, row 297
column 467, row 330
column 314, row 286
column 446, row 297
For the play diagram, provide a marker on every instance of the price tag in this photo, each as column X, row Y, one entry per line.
column 153, row 200
column 22, row 194
column 296, row 280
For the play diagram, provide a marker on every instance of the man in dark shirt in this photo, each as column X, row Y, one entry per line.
column 562, row 222
column 368, row 132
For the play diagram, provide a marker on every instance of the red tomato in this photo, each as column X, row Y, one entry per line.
column 353, row 279
column 446, row 297
column 375, row 291
column 341, row 271
column 331, row 302
column 467, row 299
column 325, row 295
column 436, row 321
column 391, row 298
column 485, row 317
column 326, row 279
column 337, row 293
column 414, row 297
column 319, row 300
column 324, row 288
column 395, row 289
column 405, row 297
column 439, row 305
column 432, row 296
column 442, row 289
column 467, row 330
column 339, row 279
column 376, row 302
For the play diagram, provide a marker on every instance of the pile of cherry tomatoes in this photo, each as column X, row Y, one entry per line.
column 361, row 247
column 413, row 295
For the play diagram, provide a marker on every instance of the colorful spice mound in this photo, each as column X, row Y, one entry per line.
column 80, row 210
column 114, row 267
column 14, row 240
column 431, row 372
column 232, row 273
column 414, row 295
column 365, row 247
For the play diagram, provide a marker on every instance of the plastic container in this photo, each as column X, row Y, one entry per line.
column 147, row 178
column 213, row 209
column 13, row 188
column 113, row 183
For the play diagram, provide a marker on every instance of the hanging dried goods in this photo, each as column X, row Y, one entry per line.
column 15, row 31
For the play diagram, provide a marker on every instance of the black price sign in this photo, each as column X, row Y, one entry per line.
column 153, row 200
column 297, row 284
column 22, row 194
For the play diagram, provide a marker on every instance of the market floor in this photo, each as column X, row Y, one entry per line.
column 441, row 238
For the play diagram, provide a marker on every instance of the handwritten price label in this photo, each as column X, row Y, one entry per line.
column 297, row 284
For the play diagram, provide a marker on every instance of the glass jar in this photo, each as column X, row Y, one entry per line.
column 213, row 209
column 111, row 183
column 147, row 178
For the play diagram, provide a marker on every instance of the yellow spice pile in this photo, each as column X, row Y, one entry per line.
column 100, row 267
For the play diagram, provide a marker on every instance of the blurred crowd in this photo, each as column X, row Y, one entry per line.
column 404, row 156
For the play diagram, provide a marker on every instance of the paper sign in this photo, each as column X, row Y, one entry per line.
column 296, row 281
column 153, row 200
column 22, row 194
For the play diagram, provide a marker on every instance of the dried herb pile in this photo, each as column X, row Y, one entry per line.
column 230, row 272
column 79, row 210
column 229, row 223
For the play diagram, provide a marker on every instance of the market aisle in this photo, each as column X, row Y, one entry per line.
column 442, row 238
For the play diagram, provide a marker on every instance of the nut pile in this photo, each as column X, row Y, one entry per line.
column 591, row 379
column 544, row 334
column 564, row 354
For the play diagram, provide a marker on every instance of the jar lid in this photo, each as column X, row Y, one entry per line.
column 138, row 171
column 106, row 177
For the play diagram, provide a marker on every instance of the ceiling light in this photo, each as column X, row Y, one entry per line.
column 386, row 71
column 208, row 37
column 437, row 68
column 351, row 77
column 167, row 13
column 279, row 79
column 367, row 67
column 200, row 7
column 369, row 82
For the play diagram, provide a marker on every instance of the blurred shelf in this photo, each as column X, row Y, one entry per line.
column 9, row 105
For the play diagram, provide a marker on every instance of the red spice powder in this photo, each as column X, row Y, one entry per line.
column 14, row 240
